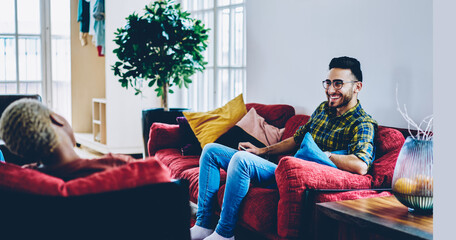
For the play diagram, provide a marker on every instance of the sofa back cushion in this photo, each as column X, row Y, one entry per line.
column 387, row 140
column 14, row 177
column 274, row 114
column 293, row 124
column 138, row 173
column 388, row 143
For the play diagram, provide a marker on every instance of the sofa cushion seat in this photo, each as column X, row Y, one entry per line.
column 177, row 163
column 192, row 176
column 261, row 213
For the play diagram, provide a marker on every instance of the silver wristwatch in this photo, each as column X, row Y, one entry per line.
column 328, row 154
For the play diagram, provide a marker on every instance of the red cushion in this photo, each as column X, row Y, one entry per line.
column 293, row 124
column 130, row 175
column 14, row 177
column 133, row 174
column 388, row 142
column 162, row 135
column 294, row 176
column 274, row 114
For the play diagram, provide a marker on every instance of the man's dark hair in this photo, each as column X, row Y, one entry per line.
column 347, row 63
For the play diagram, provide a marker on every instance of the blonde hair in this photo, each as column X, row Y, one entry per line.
column 26, row 128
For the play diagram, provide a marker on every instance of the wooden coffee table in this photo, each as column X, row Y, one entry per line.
column 371, row 218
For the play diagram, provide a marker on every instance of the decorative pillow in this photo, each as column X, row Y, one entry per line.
column 311, row 152
column 256, row 126
column 274, row 114
column 208, row 126
column 190, row 145
column 251, row 128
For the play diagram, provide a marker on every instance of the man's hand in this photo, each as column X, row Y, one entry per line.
column 248, row 147
column 284, row 146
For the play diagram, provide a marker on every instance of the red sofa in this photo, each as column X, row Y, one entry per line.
column 286, row 212
column 128, row 202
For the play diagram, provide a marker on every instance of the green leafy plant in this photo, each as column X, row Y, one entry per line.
column 161, row 48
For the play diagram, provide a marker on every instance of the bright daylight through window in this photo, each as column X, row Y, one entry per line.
column 35, row 51
column 225, row 74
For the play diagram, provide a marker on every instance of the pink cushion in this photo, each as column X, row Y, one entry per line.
column 274, row 114
column 130, row 175
column 256, row 126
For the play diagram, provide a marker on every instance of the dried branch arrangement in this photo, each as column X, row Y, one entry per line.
column 422, row 134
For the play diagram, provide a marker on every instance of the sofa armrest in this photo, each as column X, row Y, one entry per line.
column 294, row 176
column 163, row 135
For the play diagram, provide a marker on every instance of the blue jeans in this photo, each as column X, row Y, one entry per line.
column 241, row 167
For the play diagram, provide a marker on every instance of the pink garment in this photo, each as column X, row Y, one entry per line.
column 256, row 126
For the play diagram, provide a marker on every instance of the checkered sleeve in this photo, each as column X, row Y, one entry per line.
column 362, row 143
column 299, row 134
column 302, row 130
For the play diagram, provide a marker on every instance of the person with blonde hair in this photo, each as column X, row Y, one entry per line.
column 31, row 130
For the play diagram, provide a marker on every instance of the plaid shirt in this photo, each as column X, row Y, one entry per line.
column 352, row 131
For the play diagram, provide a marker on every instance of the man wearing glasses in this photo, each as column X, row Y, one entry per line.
column 339, row 127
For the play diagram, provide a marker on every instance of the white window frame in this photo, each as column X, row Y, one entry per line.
column 196, row 100
column 45, row 50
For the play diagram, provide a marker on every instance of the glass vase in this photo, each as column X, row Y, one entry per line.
column 412, row 179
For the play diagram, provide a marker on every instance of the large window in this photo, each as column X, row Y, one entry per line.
column 225, row 74
column 35, row 51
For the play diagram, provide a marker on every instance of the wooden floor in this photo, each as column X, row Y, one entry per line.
column 87, row 153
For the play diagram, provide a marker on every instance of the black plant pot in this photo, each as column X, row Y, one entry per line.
column 152, row 115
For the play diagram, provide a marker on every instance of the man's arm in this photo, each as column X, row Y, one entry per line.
column 350, row 163
column 362, row 149
column 284, row 146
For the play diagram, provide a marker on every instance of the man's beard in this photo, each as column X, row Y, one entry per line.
column 345, row 100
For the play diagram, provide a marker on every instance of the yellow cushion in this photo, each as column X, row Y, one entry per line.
column 208, row 126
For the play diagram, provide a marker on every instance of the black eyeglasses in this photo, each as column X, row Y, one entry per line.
column 336, row 83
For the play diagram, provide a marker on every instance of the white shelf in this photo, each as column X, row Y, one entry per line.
column 99, row 120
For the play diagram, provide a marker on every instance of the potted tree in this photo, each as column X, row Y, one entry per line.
column 160, row 48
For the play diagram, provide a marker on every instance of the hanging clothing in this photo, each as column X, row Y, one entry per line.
column 84, row 21
column 98, row 15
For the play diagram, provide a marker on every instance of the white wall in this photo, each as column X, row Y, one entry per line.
column 445, row 132
column 290, row 44
column 123, row 109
